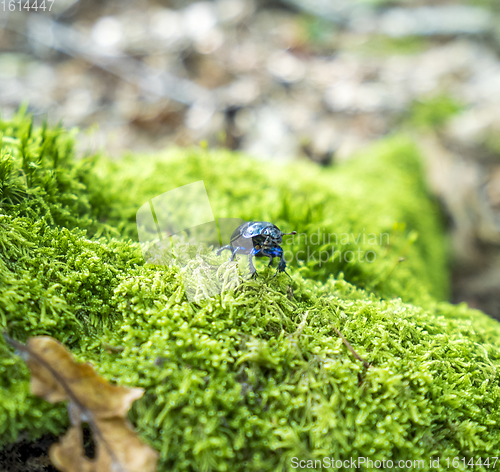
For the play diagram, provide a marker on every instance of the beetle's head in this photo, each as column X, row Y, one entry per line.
column 273, row 234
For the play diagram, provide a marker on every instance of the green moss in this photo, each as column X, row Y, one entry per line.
column 317, row 33
column 379, row 45
column 251, row 378
column 434, row 112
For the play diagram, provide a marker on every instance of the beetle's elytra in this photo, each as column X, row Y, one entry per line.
column 257, row 239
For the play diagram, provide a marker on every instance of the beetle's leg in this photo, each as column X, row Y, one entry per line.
column 282, row 264
column 223, row 248
column 233, row 255
column 233, row 250
column 270, row 261
column 252, row 268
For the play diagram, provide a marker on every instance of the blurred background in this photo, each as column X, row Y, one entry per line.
column 280, row 80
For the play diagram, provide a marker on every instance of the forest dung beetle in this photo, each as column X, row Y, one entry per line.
column 259, row 239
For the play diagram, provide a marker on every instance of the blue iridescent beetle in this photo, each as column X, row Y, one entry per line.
column 259, row 239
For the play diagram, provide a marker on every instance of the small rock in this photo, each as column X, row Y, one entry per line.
column 107, row 31
column 439, row 20
column 286, row 67
column 198, row 19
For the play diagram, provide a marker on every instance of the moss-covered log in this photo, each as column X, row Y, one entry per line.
column 252, row 378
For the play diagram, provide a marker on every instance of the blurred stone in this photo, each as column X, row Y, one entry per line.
column 11, row 91
column 349, row 144
column 471, row 127
column 347, row 96
column 489, row 194
column 137, row 37
column 334, row 10
column 242, row 92
column 456, row 181
column 269, row 137
column 209, row 42
column 107, row 31
column 324, row 142
column 243, row 120
column 300, row 114
column 234, row 10
column 77, row 106
column 40, row 82
column 437, row 20
column 480, row 289
column 323, row 72
column 198, row 19
column 199, row 115
column 62, row 5
column 162, row 118
column 10, row 65
column 167, row 26
column 493, row 191
column 244, row 58
column 209, row 72
column 286, row 67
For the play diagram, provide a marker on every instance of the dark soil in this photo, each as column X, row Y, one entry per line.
column 33, row 456
column 28, row 456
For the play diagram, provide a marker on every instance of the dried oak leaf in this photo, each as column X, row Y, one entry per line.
column 55, row 376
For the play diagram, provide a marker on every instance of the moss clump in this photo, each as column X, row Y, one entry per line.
column 434, row 112
column 385, row 46
column 252, row 378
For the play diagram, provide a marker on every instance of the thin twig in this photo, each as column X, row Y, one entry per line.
column 382, row 281
column 300, row 328
column 348, row 345
column 294, row 338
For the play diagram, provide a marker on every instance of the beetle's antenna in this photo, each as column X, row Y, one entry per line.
column 293, row 232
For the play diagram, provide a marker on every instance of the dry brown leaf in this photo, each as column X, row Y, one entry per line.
column 55, row 376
